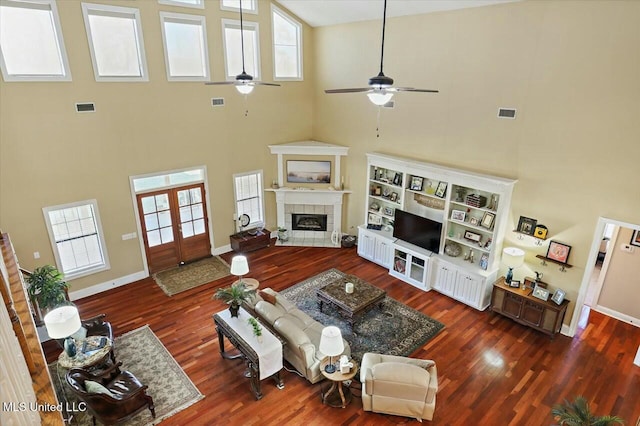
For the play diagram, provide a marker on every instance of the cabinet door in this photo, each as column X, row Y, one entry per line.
column 366, row 245
column 532, row 313
column 383, row 253
column 468, row 289
column 512, row 305
column 445, row 279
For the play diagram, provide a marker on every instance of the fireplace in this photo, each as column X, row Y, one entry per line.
column 308, row 222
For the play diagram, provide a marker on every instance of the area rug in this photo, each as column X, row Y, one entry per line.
column 394, row 329
column 191, row 275
column 141, row 353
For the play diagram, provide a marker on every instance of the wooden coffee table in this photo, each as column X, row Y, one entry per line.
column 351, row 305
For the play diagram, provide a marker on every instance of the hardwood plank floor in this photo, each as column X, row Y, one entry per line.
column 492, row 371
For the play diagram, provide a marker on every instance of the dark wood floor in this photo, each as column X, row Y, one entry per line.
column 492, row 371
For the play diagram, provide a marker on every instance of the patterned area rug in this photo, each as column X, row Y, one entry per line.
column 146, row 357
column 396, row 329
column 186, row 277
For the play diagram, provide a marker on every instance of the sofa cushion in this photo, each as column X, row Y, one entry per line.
column 290, row 331
column 268, row 312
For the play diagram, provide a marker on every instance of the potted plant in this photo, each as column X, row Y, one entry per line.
column 234, row 296
column 257, row 329
column 577, row 413
column 47, row 288
column 283, row 235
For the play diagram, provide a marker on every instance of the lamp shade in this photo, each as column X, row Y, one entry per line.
column 380, row 97
column 331, row 341
column 62, row 322
column 512, row 257
column 239, row 266
column 244, row 89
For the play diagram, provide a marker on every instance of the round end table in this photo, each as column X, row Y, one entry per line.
column 249, row 283
column 337, row 395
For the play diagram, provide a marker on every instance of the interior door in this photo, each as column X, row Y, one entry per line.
column 175, row 226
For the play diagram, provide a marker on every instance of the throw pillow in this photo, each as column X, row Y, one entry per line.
column 95, row 387
column 267, row 297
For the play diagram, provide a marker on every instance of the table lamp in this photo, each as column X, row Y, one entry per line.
column 512, row 257
column 331, row 344
column 239, row 267
column 61, row 323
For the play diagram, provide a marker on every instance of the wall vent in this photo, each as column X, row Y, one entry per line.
column 216, row 102
column 507, row 113
column 390, row 104
column 85, row 107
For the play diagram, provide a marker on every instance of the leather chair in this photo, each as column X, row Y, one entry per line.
column 97, row 326
column 125, row 396
column 398, row 385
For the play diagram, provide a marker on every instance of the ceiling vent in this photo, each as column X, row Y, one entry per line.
column 507, row 113
column 217, row 102
column 86, row 107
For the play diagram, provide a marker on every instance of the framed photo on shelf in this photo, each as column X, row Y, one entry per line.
column 474, row 221
column 377, row 190
column 397, row 179
column 441, row 190
column 416, row 183
column 558, row 252
column 487, row 220
column 558, row 296
column 388, row 211
column 540, row 293
column 472, row 236
column 635, row 238
column 374, row 219
column 526, row 225
column 514, row 284
column 458, row 215
column 484, row 261
column 394, row 197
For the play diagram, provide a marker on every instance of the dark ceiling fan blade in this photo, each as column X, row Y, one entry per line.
column 411, row 89
column 359, row 89
column 261, row 83
column 210, row 83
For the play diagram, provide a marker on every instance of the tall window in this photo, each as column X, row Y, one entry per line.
column 115, row 42
column 77, row 238
column 250, row 6
column 287, row 46
column 185, row 46
column 249, row 196
column 199, row 4
column 31, row 44
column 233, row 48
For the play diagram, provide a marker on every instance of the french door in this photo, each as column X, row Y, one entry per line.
column 174, row 226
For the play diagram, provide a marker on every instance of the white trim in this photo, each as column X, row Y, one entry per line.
column 253, row 223
column 64, row 61
column 182, row 18
column 253, row 9
column 618, row 315
column 107, row 285
column 296, row 23
column 199, row 5
column 250, row 26
column 117, row 12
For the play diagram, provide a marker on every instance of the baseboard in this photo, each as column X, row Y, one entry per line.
column 617, row 315
column 565, row 330
column 99, row 288
column 221, row 250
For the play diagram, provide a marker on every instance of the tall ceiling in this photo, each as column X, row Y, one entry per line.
column 319, row 13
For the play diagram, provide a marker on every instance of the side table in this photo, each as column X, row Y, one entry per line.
column 337, row 395
column 250, row 240
column 87, row 360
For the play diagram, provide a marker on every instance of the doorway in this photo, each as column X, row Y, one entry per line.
column 174, row 226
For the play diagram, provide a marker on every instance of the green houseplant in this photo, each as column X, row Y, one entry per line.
column 47, row 288
column 257, row 329
column 234, row 296
column 577, row 413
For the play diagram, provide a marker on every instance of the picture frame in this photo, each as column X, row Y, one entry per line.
column 306, row 171
column 487, row 220
column 377, row 190
column 526, row 225
column 474, row 221
column 387, row 211
column 540, row 293
column 635, row 238
column 558, row 296
column 416, row 183
column 397, row 179
column 374, row 219
column 458, row 215
column 472, row 236
column 484, row 261
column 514, row 284
column 441, row 190
column 558, row 252
column 394, row 197
column 540, row 232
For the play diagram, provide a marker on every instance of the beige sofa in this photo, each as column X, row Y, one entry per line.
column 398, row 385
column 300, row 331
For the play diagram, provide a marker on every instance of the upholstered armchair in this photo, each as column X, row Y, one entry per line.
column 111, row 396
column 97, row 326
column 398, row 385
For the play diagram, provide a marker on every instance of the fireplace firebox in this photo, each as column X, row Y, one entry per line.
column 308, row 222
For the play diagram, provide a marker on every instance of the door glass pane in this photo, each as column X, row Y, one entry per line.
column 197, row 211
column 185, row 214
column 187, row 230
column 196, row 195
column 164, row 218
column 166, row 235
column 151, row 221
column 183, row 198
column 148, row 205
column 198, row 226
column 162, row 201
column 153, row 238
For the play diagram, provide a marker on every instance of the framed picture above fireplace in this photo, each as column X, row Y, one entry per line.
column 303, row 171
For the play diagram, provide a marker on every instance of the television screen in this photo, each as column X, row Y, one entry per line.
column 417, row 230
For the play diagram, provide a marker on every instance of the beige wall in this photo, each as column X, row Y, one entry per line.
column 50, row 155
column 570, row 68
column 621, row 287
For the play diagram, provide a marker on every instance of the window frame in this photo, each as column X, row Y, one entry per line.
column 57, row 28
column 123, row 12
column 87, row 270
column 298, row 25
column 253, row 8
column 199, row 5
column 188, row 19
column 253, row 223
column 247, row 25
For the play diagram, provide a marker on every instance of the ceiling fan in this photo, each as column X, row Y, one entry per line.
column 243, row 82
column 380, row 90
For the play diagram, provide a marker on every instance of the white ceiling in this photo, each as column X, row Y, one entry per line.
column 319, row 13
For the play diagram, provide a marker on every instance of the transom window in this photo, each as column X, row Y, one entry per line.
column 115, row 42
column 249, row 197
column 233, row 48
column 185, row 3
column 77, row 239
column 185, row 46
column 250, row 6
column 287, row 46
column 31, row 44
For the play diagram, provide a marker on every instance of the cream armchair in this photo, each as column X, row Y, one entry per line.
column 398, row 385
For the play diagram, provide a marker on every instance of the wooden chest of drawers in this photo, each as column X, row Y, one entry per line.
column 244, row 241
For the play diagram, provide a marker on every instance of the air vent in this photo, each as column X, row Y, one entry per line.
column 86, row 107
column 390, row 104
column 507, row 113
column 216, row 102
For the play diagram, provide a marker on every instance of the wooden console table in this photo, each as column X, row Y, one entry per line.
column 519, row 305
column 250, row 240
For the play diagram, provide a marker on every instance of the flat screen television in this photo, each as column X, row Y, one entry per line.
column 417, row 230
